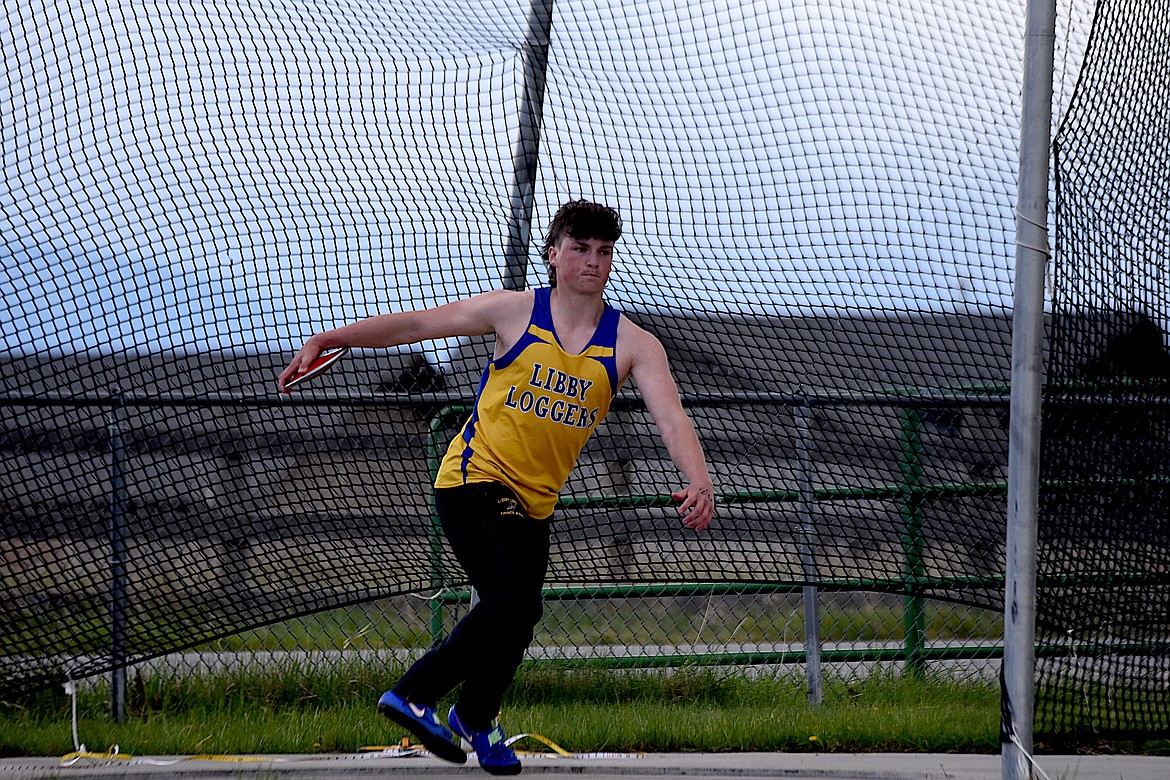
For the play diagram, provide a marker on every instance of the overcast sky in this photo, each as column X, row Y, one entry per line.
column 220, row 173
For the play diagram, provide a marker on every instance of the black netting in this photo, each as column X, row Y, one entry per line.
column 818, row 202
column 1104, row 597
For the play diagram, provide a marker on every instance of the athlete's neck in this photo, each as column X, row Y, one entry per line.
column 575, row 317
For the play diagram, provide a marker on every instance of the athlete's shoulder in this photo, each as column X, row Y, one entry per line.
column 477, row 315
column 636, row 347
column 502, row 307
column 506, row 298
column 506, row 312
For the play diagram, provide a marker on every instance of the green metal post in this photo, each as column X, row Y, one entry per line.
column 913, row 568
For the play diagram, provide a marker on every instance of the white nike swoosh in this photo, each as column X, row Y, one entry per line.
column 417, row 710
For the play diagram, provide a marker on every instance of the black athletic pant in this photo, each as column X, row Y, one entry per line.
column 505, row 554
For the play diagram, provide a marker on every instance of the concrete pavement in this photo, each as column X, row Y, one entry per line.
column 745, row 766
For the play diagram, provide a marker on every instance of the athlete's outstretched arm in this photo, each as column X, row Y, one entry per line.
column 651, row 371
column 478, row 315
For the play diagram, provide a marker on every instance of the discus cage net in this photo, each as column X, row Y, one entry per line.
column 818, row 202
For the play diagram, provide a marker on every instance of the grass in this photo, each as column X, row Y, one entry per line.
column 582, row 710
column 310, row 709
column 699, row 709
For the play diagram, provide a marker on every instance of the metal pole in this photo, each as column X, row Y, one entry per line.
column 913, row 565
column 117, row 569
column 1018, row 685
column 526, row 150
column 808, row 566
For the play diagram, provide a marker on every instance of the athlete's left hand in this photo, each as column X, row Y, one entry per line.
column 696, row 505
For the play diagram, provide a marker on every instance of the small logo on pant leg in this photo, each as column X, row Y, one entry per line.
column 509, row 507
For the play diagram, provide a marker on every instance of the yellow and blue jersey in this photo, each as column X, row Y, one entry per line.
column 535, row 408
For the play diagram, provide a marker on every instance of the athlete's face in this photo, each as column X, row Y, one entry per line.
column 583, row 264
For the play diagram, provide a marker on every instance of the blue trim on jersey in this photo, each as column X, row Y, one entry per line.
column 469, row 429
column 541, row 317
column 606, row 334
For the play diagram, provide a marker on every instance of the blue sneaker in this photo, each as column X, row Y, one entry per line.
column 494, row 755
column 424, row 723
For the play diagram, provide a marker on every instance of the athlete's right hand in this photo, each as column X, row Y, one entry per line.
column 697, row 505
column 305, row 355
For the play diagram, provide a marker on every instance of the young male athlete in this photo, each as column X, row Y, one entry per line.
column 561, row 353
